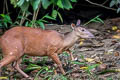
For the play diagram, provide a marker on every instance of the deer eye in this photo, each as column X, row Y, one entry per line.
column 83, row 30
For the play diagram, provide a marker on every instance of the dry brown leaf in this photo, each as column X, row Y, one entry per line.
column 116, row 54
column 118, row 31
column 116, row 36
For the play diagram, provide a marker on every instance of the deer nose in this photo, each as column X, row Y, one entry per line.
column 91, row 36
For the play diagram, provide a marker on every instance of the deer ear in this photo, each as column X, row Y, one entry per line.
column 73, row 26
column 78, row 22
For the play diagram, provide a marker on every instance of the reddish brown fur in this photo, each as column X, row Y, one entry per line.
column 34, row 42
column 37, row 42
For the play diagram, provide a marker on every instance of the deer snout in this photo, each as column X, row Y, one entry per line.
column 91, row 36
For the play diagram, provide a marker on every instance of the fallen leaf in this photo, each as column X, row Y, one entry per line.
column 116, row 36
column 89, row 59
column 118, row 31
column 114, row 28
column 109, row 51
column 81, row 41
column 3, row 77
column 108, row 30
column 116, row 54
column 117, row 70
column 98, row 62
column 83, row 67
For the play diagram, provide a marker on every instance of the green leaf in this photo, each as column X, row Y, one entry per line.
column 7, row 18
column 26, row 24
column 118, row 1
column 20, row 3
column 32, row 67
column 66, row 4
column 60, row 17
column 35, row 4
column 63, row 77
column 1, row 25
column 100, row 20
column 5, row 24
column 48, row 17
column 48, row 77
column 118, row 10
column 92, row 66
column 65, row 53
column 36, row 77
column 14, row 2
column 2, row 15
column 73, row 0
column 44, row 21
column 76, row 62
column 45, row 3
column 112, row 3
column 59, row 4
column 94, row 20
column 41, row 24
column 54, row 14
column 25, row 6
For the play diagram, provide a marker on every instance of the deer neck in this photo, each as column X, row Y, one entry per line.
column 70, row 39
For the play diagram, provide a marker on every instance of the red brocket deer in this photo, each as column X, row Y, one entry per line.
column 37, row 42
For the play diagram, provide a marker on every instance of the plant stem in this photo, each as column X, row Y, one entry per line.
column 22, row 19
column 35, row 15
column 6, row 6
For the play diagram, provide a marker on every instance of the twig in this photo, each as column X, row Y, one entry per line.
column 105, row 2
column 101, row 5
column 33, row 19
column 37, row 11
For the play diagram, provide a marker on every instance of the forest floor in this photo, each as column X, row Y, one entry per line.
column 95, row 59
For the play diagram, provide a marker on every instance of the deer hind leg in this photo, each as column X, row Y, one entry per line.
column 17, row 67
column 55, row 58
column 6, row 60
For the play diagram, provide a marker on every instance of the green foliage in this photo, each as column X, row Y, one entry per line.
column 37, row 4
column 74, row 0
column 14, row 2
column 109, row 79
column 32, row 67
column 45, row 3
column 5, row 20
column 95, row 19
column 78, row 63
column 67, row 5
column 55, row 13
column 115, row 3
column 40, row 22
column 44, row 69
